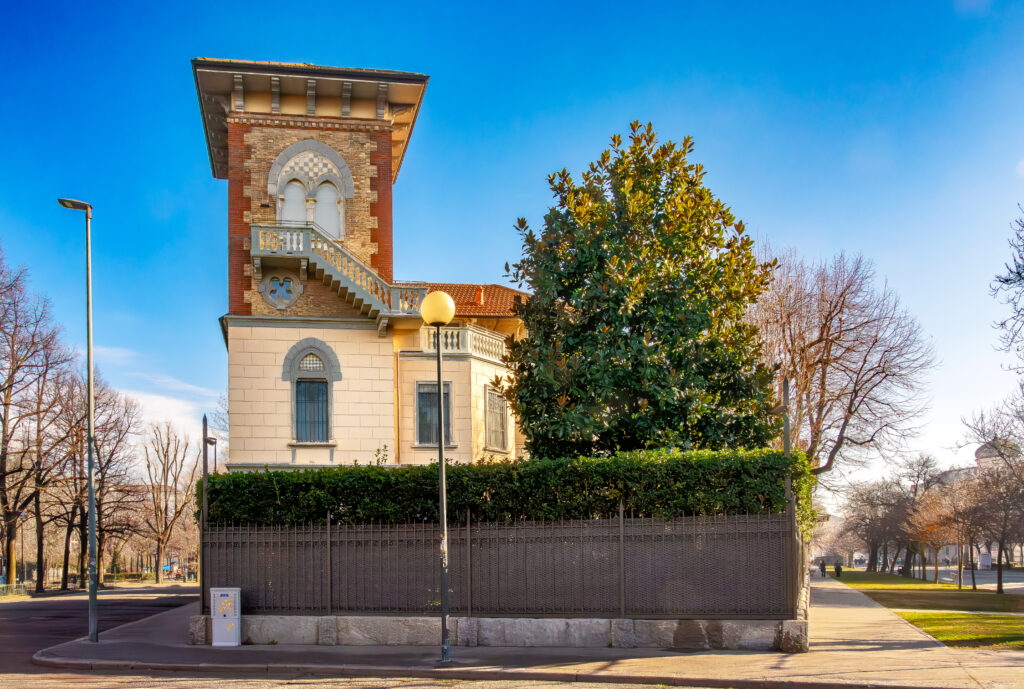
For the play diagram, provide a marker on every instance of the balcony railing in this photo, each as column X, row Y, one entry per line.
column 469, row 339
column 350, row 274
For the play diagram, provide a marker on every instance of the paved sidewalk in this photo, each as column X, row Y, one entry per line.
column 854, row 641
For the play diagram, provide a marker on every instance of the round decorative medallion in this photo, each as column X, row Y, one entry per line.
column 280, row 288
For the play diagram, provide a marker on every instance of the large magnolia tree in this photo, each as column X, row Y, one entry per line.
column 640, row 280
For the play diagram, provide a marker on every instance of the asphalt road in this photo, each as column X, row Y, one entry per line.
column 30, row 624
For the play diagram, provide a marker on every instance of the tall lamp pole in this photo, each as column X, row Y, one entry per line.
column 438, row 309
column 93, row 608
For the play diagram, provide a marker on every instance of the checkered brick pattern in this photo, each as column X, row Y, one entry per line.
column 309, row 165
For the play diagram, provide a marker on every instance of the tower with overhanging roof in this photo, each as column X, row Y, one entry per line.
column 328, row 362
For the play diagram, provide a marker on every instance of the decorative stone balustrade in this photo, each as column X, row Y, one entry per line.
column 468, row 339
column 354, row 281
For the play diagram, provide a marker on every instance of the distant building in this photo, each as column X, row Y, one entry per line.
column 993, row 454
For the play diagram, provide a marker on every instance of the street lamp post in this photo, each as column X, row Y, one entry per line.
column 437, row 310
column 93, row 609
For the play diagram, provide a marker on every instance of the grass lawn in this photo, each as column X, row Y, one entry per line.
column 1001, row 632
column 895, row 591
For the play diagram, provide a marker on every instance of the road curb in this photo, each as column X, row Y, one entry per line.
column 43, row 659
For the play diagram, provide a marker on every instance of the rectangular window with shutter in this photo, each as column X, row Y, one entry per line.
column 497, row 421
column 426, row 414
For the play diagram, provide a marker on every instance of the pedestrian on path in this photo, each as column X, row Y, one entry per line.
column 839, row 570
column 821, row 566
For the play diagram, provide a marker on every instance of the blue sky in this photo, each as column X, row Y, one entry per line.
column 889, row 130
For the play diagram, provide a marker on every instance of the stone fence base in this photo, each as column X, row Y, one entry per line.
column 760, row 635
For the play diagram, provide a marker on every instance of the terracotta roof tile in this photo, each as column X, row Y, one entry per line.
column 471, row 300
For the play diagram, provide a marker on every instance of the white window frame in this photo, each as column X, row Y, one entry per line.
column 488, row 392
column 449, row 419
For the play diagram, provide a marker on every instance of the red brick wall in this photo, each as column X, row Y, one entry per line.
column 383, row 260
column 238, row 228
column 254, row 145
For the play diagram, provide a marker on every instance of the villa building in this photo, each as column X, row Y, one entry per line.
column 328, row 360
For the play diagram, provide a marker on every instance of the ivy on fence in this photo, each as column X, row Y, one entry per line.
column 651, row 483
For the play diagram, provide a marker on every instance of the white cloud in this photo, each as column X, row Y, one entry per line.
column 115, row 356
column 184, row 414
column 171, row 383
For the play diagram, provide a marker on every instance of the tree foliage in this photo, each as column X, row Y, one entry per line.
column 635, row 330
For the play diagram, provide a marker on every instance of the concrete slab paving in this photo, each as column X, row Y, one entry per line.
column 854, row 642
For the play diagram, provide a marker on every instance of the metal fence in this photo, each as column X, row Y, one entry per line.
column 12, row 590
column 740, row 566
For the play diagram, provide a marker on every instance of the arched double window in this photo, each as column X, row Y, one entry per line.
column 312, row 368
column 311, row 183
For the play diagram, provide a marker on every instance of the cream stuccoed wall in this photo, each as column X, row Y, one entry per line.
column 260, row 401
column 470, row 377
column 482, row 374
column 416, row 367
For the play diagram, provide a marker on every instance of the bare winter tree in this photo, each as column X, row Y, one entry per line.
column 119, row 495
column 932, row 524
column 879, row 512
column 855, row 357
column 171, row 464
column 219, row 427
column 28, row 340
column 872, row 515
column 47, row 437
column 1008, row 287
column 1000, row 431
column 1002, row 513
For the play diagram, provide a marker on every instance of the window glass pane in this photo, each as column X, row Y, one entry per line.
column 326, row 212
column 311, row 362
column 497, row 421
column 294, row 210
column 426, row 414
column 311, row 413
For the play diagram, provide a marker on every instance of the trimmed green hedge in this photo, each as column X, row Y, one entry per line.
column 653, row 483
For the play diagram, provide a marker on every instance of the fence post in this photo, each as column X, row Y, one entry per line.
column 792, row 554
column 622, row 559
column 330, row 570
column 469, row 568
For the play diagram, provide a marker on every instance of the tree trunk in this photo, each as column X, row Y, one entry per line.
column 99, row 558
column 83, row 547
column 38, row 509
column 159, row 554
column 999, row 570
column 959, row 564
column 67, row 557
column 974, row 582
column 10, row 551
column 907, row 570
